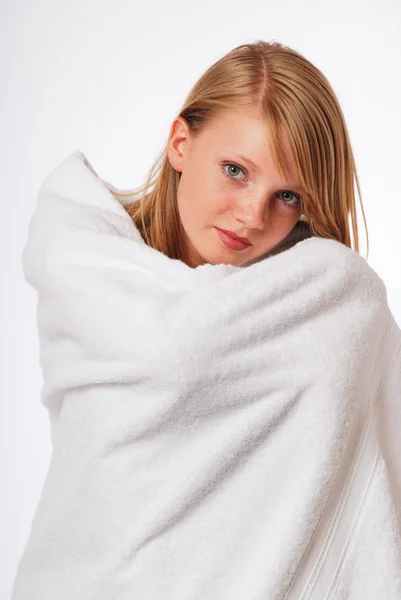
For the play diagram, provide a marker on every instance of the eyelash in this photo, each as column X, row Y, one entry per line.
column 225, row 163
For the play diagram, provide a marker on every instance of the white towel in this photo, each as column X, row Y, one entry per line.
column 219, row 433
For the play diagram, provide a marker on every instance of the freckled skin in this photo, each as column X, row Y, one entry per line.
column 259, row 206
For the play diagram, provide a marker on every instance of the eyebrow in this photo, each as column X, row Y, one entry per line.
column 295, row 186
column 248, row 160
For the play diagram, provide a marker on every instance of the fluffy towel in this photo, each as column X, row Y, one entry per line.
column 219, row 433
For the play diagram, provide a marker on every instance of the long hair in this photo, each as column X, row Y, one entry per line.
column 294, row 99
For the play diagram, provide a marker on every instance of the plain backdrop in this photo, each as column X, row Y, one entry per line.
column 109, row 78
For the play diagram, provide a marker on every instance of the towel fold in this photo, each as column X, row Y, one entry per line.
column 219, row 433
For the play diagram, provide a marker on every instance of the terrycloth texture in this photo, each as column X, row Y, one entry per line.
column 219, row 433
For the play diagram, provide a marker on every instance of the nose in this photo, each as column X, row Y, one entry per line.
column 253, row 213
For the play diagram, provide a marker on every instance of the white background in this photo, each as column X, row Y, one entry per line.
column 108, row 78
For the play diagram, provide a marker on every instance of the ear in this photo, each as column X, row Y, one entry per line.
column 178, row 143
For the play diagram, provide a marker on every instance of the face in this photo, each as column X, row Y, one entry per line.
column 220, row 188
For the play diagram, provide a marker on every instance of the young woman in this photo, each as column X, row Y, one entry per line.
column 221, row 367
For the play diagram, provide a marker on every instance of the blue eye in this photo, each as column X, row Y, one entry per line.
column 293, row 204
column 225, row 164
column 297, row 198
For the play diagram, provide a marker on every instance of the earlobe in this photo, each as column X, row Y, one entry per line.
column 174, row 160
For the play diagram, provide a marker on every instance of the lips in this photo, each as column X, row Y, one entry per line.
column 231, row 242
column 235, row 237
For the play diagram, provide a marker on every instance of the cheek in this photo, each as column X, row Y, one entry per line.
column 205, row 198
column 221, row 197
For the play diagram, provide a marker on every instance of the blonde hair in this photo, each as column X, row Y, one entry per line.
column 295, row 99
